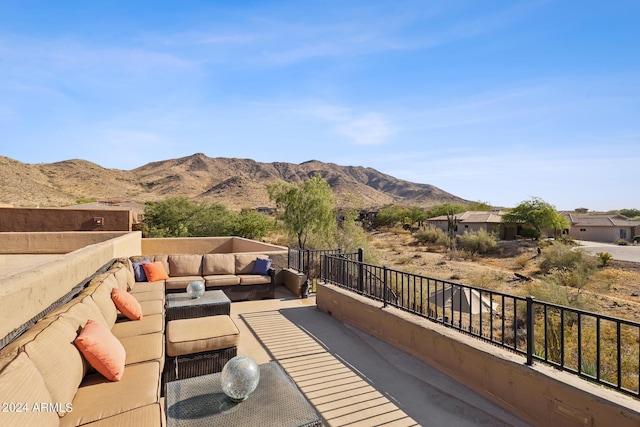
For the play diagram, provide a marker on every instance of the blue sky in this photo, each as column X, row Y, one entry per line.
column 497, row 101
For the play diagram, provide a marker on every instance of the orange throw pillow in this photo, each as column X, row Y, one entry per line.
column 155, row 271
column 102, row 350
column 126, row 303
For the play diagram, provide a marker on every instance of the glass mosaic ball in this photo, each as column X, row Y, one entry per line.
column 195, row 289
column 239, row 378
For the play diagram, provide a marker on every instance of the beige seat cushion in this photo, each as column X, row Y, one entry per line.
column 148, row 287
column 157, row 295
column 147, row 325
column 188, row 336
column 148, row 308
column 147, row 416
column 185, row 265
column 21, row 384
column 98, row 398
column 181, row 283
column 221, row 280
column 246, row 262
column 144, row 348
column 254, row 279
column 218, row 264
column 152, row 307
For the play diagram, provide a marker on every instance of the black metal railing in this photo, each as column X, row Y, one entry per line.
column 309, row 261
column 596, row 347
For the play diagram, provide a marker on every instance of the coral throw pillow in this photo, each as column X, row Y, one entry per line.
column 138, row 271
column 102, row 350
column 155, row 271
column 126, row 303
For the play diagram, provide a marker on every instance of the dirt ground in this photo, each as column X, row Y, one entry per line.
column 614, row 289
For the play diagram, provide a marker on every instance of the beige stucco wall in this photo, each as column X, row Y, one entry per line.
column 599, row 234
column 538, row 394
column 61, row 242
column 28, row 292
column 59, row 219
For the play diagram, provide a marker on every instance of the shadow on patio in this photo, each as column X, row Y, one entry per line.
column 353, row 378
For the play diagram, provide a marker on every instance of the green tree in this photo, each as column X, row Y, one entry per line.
column 388, row 216
column 630, row 213
column 307, row 208
column 536, row 214
column 251, row 224
column 479, row 206
column 415, row 214
column 446, row 209
column 181, row 217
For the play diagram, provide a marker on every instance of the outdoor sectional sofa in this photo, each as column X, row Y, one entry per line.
column 241, row 276
column 47, row 380
column 44, row 370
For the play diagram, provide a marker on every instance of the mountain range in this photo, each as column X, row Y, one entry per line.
column 234, row 182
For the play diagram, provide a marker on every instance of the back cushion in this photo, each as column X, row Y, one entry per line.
column 123, row 275
column 246, row 262
column 163, row 258
column 59, row 361
column 218, row 264
column 21, row 384
column 102, row 297
column 185, row 265
column 87, row 309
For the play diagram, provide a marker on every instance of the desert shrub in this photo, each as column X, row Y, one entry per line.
column 522, row 261
column 484, row 280
column 468, row 255
column 549, row 291
column 604, row 258
column 479, row 241
column 621, row 242
column 563, row 257
column 83, row 200
column 432, row 236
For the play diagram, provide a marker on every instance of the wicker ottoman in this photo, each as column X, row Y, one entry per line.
column 199, row 346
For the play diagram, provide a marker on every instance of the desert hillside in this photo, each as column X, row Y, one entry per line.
column 235, row 182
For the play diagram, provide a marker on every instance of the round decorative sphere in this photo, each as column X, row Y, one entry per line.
column 195, row 289
column 239, row 378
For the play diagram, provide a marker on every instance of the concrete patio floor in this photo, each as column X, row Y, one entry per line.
column 352, row 378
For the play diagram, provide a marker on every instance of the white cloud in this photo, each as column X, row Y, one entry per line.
column 368, row 129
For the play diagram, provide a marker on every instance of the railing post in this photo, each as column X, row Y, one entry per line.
column 530, row 337
column 360, row 270
column 384, row 285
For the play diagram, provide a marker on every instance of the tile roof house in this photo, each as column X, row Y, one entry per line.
column 475, row 221
column 602, row 228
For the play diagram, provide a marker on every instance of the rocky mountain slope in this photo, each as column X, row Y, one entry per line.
column 235, row 182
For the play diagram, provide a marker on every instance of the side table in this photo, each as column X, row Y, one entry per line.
column 199, row 401
column 211, row 303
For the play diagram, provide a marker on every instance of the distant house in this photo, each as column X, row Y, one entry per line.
column 368, row 215
column 470, row 221
column 602, row 227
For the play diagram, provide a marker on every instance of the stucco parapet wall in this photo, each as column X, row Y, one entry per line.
column 211, row 245
column 53, row 242
column 538, row 394
column 25, row 294
column 205, row 245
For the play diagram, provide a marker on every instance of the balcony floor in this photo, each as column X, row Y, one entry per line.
column 353, row 378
